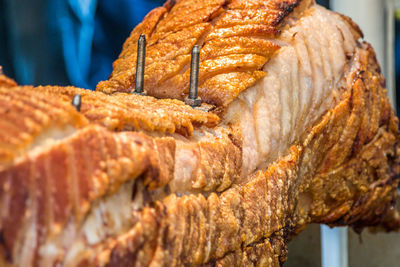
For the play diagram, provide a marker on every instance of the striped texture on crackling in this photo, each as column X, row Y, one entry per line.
column 30, row 115
column 237, row 40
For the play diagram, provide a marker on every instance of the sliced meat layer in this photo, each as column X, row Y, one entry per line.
column 267, row 118
column 303, row 81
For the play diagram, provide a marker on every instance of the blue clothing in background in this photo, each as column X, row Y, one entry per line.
column 61, row 42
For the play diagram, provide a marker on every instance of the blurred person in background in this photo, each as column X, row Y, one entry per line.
column 67, row 42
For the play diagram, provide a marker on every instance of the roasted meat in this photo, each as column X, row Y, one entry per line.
column 301, row 131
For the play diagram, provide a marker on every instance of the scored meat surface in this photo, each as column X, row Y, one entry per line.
column 301, row 132
column 237, row 39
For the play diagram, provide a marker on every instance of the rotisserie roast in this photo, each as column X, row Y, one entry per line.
column 295, row 127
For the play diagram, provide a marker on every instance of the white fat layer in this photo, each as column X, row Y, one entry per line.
column 108, row 217
column 45, row 141
column 26, row 254
column 300, row 85
column 49, row 137
column 186, row 159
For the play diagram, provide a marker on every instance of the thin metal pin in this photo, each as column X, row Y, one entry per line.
column 194, row 72
column 77, row 102
column 193, row 99
column 140, row 65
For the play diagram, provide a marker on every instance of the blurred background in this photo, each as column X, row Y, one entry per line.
column 66, row 42
column 74, row 42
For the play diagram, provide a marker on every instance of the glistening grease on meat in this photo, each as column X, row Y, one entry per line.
column 302, row 132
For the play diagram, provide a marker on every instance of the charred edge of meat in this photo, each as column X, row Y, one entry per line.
column 127, row 258
column 169, row 4
column 134, row 190
column 354, row 26
column 286, row 8
column 4, row 250
column 226, row 4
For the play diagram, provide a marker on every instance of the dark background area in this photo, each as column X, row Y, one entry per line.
column 324, row 2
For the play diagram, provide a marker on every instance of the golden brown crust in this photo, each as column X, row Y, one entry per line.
column 26, row 114
column 61, row 184
column 352, row 179
column 233, row 35
column 269, row 252
column 29, row 113
column 131, row 112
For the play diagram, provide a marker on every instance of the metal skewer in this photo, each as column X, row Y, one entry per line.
column 140, row 65
column 77, row 102
column 193, row 99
